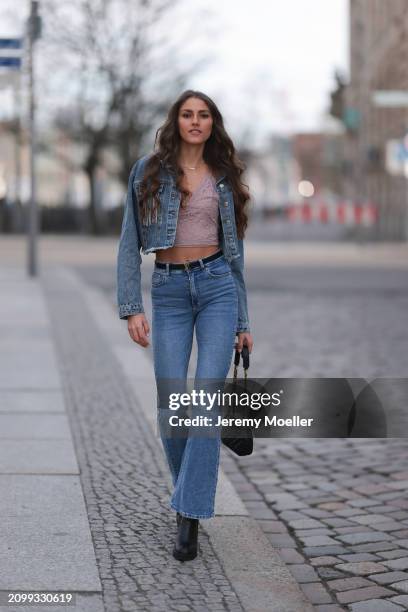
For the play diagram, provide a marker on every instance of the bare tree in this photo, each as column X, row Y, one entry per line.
column 117, row 65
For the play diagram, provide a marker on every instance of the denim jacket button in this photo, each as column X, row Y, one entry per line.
column 225, row 203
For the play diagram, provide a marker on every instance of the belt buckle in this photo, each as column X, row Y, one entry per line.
column 187, row 265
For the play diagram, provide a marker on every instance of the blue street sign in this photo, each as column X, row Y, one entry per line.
column 11, row 43
column 10, row 62
column 402, row 152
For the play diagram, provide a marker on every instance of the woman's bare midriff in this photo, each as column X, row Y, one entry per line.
column 180, row 254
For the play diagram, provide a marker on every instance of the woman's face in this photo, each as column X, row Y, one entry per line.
column 194, row 114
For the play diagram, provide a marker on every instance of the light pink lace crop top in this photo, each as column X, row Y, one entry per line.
column 198, row 219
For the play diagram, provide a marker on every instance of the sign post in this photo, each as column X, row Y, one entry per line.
column 10, row 52
column 34, row 32
column 397, row 151
column 10, row 70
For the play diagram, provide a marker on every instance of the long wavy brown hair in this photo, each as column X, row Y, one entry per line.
column 219, row 154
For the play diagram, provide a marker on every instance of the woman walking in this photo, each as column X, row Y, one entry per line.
column 185, row 202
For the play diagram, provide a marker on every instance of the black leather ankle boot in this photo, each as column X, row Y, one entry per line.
column 185, row 548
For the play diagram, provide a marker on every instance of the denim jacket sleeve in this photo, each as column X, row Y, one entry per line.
column 129, row 296
column 237, row 267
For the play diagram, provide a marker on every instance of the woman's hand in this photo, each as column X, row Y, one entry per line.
column 138, row 328
column 244, row 338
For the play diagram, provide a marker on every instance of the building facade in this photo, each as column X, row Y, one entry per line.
column 378, row 61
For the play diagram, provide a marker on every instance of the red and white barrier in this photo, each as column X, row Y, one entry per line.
column 343, row 213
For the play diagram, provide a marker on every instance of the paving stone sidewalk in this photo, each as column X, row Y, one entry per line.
column 336, row 509
column 332, row 508
column 122, row 478
column 337, row 512
column 46, row 543
column 327, row 505
column 122, row 468
column 83, row 482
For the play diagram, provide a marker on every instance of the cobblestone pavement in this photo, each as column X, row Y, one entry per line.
column 121, row 472
column 337, row 509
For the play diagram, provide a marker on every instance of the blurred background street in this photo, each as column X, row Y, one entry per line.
column 323, row 132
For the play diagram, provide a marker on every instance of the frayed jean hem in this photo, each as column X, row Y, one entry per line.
column 191, row 515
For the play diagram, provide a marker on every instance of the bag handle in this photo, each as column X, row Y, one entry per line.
column 245, row 360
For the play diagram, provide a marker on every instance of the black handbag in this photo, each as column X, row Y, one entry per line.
column 243, row 442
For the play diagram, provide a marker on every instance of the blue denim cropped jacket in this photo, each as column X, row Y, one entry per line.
column 159, row 233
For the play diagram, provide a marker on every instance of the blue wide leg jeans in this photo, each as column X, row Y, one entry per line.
column 203, row 297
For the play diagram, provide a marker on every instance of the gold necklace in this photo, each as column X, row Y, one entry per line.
column 191, row 168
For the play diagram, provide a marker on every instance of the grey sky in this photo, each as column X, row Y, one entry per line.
column 283, row 53
column 286, row 52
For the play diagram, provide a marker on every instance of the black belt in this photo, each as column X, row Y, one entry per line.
column 188, row 264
